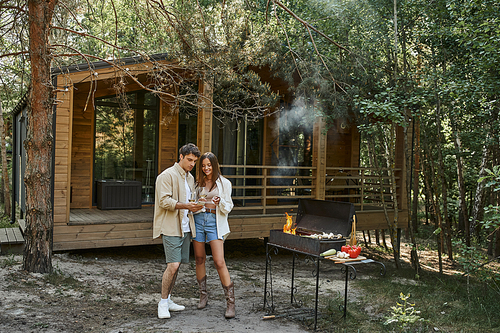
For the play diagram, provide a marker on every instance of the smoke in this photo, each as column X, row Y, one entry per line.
column 293, row 133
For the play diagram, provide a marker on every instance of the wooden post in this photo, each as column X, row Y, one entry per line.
column 205, row 116
column 362, row 189
column 264, row 190
column 319, row 159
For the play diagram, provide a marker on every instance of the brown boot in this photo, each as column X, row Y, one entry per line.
column 203, row 292
column 229, row 292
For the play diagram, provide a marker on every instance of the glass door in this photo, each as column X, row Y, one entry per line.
column 126, row 139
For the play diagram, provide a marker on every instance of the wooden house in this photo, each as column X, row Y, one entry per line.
column 112, row 136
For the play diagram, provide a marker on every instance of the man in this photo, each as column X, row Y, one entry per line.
column 172, row 221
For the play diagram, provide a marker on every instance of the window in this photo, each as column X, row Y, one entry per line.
column 126, row 136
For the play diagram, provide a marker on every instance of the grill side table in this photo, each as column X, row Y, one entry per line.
column 347, row 268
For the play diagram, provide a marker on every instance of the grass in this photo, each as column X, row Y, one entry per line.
column 448, row 303
column 5, row 222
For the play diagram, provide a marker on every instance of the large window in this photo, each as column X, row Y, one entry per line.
column 239, row 142
column 126, row 135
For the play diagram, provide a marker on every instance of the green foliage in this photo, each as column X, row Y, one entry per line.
column 449, row 303
column 403, row 314
column 5, row 221
column 491, row 221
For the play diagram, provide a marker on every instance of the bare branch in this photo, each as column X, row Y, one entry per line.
column 309, row 25
column 71, row 13
column 288, row 43
column 95, row 37
column 13, row 54
column 324, row 64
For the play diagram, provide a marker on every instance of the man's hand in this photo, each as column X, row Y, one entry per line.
column 192, row 206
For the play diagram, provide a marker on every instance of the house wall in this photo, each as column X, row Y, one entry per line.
column 169, row 131
column 343, row 145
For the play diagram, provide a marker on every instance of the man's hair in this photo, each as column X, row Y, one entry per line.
column 189, row 148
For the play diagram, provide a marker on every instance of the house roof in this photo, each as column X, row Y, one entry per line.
column 108, row 63
column 94, row 66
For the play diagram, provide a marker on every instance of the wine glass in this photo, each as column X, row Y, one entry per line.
column 202, row 196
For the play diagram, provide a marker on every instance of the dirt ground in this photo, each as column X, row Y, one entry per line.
column 117, row 290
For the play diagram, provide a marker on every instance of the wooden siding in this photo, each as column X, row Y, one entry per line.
column 82, row 148
column 169, row 128
column 62, row 158
column 104, row 235
column 247, row 227
column 341, row 150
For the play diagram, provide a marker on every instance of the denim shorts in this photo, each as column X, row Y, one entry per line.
column 206, row 227
column 177, row 248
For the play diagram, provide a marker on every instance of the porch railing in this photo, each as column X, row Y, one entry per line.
column 271, row 190
column 367, row 188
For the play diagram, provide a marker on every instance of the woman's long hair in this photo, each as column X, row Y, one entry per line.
column 200, row 179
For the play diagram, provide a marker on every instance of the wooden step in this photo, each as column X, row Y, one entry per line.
column 22, row 225
column 11, row 241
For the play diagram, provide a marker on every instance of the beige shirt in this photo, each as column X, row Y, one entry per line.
column 170, row 189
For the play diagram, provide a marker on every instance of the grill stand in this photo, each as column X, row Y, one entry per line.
column 347, row 268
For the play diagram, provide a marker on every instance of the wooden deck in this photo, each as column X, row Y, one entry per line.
column 97, row 216
column 11, row 241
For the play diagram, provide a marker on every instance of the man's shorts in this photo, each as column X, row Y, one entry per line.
column 177, row 248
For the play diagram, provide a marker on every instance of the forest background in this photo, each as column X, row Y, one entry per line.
column 429, row 66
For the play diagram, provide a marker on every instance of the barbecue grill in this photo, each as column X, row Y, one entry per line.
column 314, row 217
column 317, row 217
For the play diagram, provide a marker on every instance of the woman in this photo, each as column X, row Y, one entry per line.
column 212, row 227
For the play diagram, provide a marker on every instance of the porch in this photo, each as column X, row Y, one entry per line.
column 262, row 194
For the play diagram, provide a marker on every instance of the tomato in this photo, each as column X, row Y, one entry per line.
column 354, row 251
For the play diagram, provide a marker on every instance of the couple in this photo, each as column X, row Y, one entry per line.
column 178, row 221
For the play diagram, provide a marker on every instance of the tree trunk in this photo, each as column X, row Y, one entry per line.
column 446, row 232
column 38, row 144
column 416, row 172
column 496, row 250
column 5, row 172
column 435, row 206
column 394, row 224
column 479, row 197
column 374, row 161
column 461, row 183
column 382, row 232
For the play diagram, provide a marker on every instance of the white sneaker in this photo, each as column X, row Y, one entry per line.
column 175, row 307
column 163, row 310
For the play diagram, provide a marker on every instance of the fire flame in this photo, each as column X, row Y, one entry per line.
column 287, row 228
